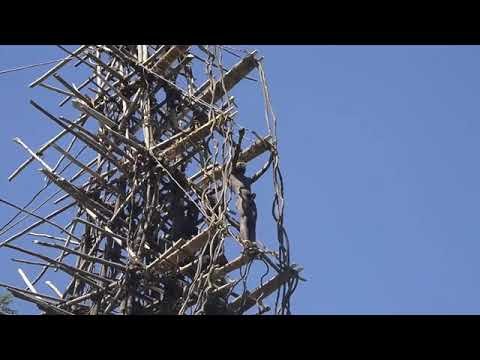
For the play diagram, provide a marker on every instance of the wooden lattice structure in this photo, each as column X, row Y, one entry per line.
column 159, row 192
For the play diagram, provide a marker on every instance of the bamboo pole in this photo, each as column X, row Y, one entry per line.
column 58, row 66
column 42, row 149
column 27, row 281
column 82, row 255
column 42, row 220
column 54, row 288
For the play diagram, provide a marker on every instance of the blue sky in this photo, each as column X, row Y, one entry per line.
column 379, row 149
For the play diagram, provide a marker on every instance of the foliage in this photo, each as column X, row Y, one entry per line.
column 5, row 307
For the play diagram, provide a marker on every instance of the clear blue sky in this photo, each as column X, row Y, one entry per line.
column 379, row 149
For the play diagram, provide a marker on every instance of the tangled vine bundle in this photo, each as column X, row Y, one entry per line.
column 154, row 170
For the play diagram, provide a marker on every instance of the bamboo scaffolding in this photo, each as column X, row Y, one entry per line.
column 151, row 187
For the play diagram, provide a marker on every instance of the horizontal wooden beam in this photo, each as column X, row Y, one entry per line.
column 248, row 300
column 204, row 96
column 202, row 178
column 189, row 138
column 189, row 248
column 231, row 78
column 169, row 57
column 233, row 265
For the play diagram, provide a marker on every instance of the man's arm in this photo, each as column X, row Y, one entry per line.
column 262, row 171
column 238, row 147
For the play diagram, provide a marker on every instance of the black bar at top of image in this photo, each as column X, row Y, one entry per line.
column 238, row 23
column 252, row 37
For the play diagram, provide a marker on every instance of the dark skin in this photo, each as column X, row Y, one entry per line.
column 242, row 187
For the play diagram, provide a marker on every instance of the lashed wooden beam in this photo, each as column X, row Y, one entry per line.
column 170, row 56
column 231, row 78
column 181, row 142
column 233, row 265
column 204, row 95
column 177, row 256
column 202, row 178
column 245, row 302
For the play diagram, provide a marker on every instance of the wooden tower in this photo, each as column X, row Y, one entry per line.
column 153, row 210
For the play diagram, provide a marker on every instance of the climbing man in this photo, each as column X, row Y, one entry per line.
column 242, row 187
